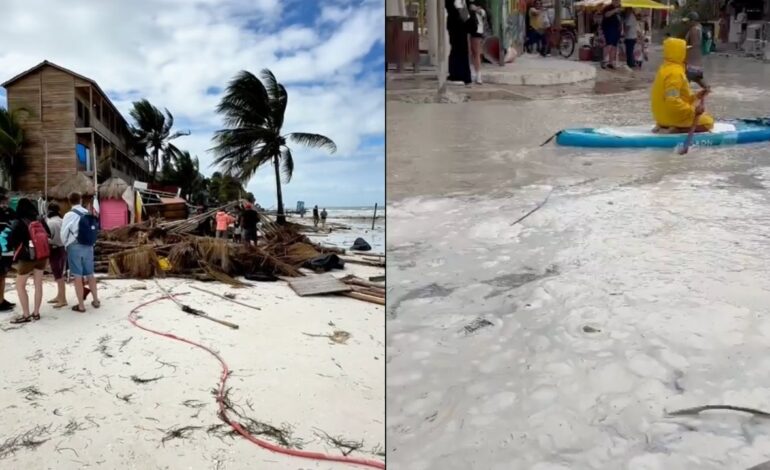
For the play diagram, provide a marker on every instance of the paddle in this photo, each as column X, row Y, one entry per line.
column 691, row 134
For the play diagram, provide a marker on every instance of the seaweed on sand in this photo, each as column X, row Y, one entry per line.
column 31, row 393
column 125, row 398
column 178, row 433
column 72, row 427
column 139, row 380
column 102, row 347
column 31, row 439
column 347, row 447
column 283, row 435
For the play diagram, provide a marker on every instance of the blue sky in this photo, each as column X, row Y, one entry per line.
column 180, row 54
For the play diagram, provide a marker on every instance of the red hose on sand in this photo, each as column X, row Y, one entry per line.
column 132, row 317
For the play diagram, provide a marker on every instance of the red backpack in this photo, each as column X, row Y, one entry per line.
column 38, row 235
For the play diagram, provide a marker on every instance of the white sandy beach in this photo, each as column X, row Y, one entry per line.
column 89, row 413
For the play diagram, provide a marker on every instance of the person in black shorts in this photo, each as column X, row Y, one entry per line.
column 248, row 221
column 7, row 216
column 476, row 25
column 611, row 27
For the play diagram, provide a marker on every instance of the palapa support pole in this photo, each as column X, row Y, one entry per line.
column 45, row 190
column 226, row 298
column 374, row 217
column 193, row 311
column 442, row 66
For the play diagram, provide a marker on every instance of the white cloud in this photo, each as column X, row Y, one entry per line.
column 173, row 52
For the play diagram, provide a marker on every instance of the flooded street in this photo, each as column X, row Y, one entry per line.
column 639, row 287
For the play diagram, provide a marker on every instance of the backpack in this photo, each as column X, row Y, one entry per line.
column 38, row 237
column 6, row 232
column 88, row 228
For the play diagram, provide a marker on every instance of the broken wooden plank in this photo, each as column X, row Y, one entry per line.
column 367, row 298
column 318, row 284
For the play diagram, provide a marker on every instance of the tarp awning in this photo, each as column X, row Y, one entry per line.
column 641, row 4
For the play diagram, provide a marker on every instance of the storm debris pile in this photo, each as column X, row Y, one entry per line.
column 155, row 248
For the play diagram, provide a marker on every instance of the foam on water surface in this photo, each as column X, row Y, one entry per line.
column 599, row 312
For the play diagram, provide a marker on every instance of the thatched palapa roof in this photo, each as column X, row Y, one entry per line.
column 76, row 182
column 112, row 188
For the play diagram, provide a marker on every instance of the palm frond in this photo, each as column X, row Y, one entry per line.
column 313, row 140
column 246, row 102
column 287, row 164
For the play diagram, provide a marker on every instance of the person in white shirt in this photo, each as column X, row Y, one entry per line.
column 79, row 257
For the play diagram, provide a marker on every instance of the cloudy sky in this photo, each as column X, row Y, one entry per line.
column 180, row 54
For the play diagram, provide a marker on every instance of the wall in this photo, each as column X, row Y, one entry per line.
column 53, row 119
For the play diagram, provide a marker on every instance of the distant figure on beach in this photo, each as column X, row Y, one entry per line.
column 58, row 258
column 223, row 221
column 323, row 218
column 249, row 219
column 7, row 215
column 316, row 218
column 79, row 231
column 28, row 240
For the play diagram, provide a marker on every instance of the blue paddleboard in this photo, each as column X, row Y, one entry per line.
column 741, row 131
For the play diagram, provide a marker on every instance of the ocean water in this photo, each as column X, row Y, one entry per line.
column 359, row 221
column 355, row 212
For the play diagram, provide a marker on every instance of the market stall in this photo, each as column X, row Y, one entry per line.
column 589, row 17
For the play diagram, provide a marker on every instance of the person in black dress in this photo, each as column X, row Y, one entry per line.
column 456, row 23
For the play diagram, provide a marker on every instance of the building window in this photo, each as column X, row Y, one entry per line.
column 83, row 114
column 83, row 157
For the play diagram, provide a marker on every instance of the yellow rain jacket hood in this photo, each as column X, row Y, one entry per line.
column 673, row 103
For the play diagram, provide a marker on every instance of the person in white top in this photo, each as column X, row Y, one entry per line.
column 79, row 257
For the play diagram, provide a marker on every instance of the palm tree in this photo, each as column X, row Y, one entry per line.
column 183, row 171
column 11, row 143
column 254, row 112
column 153, row 134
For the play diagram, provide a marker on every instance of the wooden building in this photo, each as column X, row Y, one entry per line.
column 72, row 120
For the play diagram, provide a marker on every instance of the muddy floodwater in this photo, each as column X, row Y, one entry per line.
column 641, row 286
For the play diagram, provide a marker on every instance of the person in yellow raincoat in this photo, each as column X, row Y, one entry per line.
column 674, row 106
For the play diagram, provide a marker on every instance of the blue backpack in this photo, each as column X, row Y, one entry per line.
column 88, row 228
column 6, row 232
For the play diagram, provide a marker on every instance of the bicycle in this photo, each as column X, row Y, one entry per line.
column 565, row 40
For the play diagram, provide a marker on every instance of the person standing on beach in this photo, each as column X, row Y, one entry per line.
column 316, row 218
column 58, row 258
column 6, row 217
column 223, row 220
column 249, row 219
column 28, row 240
column 323, row 218
column 79, row 230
